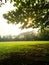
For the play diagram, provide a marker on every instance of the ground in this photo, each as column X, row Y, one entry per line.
column 24, row 53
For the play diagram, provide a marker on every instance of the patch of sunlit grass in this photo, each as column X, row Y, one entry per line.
column 19, row 46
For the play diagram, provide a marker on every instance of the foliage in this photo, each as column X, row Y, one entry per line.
column 30, row 13
column 27, row 36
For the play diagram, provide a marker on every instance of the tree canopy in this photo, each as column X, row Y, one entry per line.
column 30, row 13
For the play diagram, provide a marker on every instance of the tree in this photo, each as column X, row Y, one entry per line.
column 30, row 13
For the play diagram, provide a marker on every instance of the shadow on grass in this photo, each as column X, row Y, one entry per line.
column 38, row 56
column 24, row 59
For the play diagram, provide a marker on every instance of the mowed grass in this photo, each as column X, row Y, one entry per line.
column 37, row 47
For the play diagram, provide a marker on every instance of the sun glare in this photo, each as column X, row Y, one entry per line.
column 29, row 22
column 11, row 29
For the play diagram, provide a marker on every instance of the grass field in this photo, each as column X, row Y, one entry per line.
column 24, row 51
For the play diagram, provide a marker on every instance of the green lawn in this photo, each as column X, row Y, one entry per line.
column 7, row 47
column 34, row 50
column 21, row 46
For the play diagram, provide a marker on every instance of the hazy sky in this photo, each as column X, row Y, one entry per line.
column 8, row 29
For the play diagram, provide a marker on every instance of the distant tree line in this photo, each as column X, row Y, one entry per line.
column 27, row 36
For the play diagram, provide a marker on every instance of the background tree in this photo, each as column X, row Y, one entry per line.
column 30, row 13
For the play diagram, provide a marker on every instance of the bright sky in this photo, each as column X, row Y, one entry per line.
column 9, row 29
